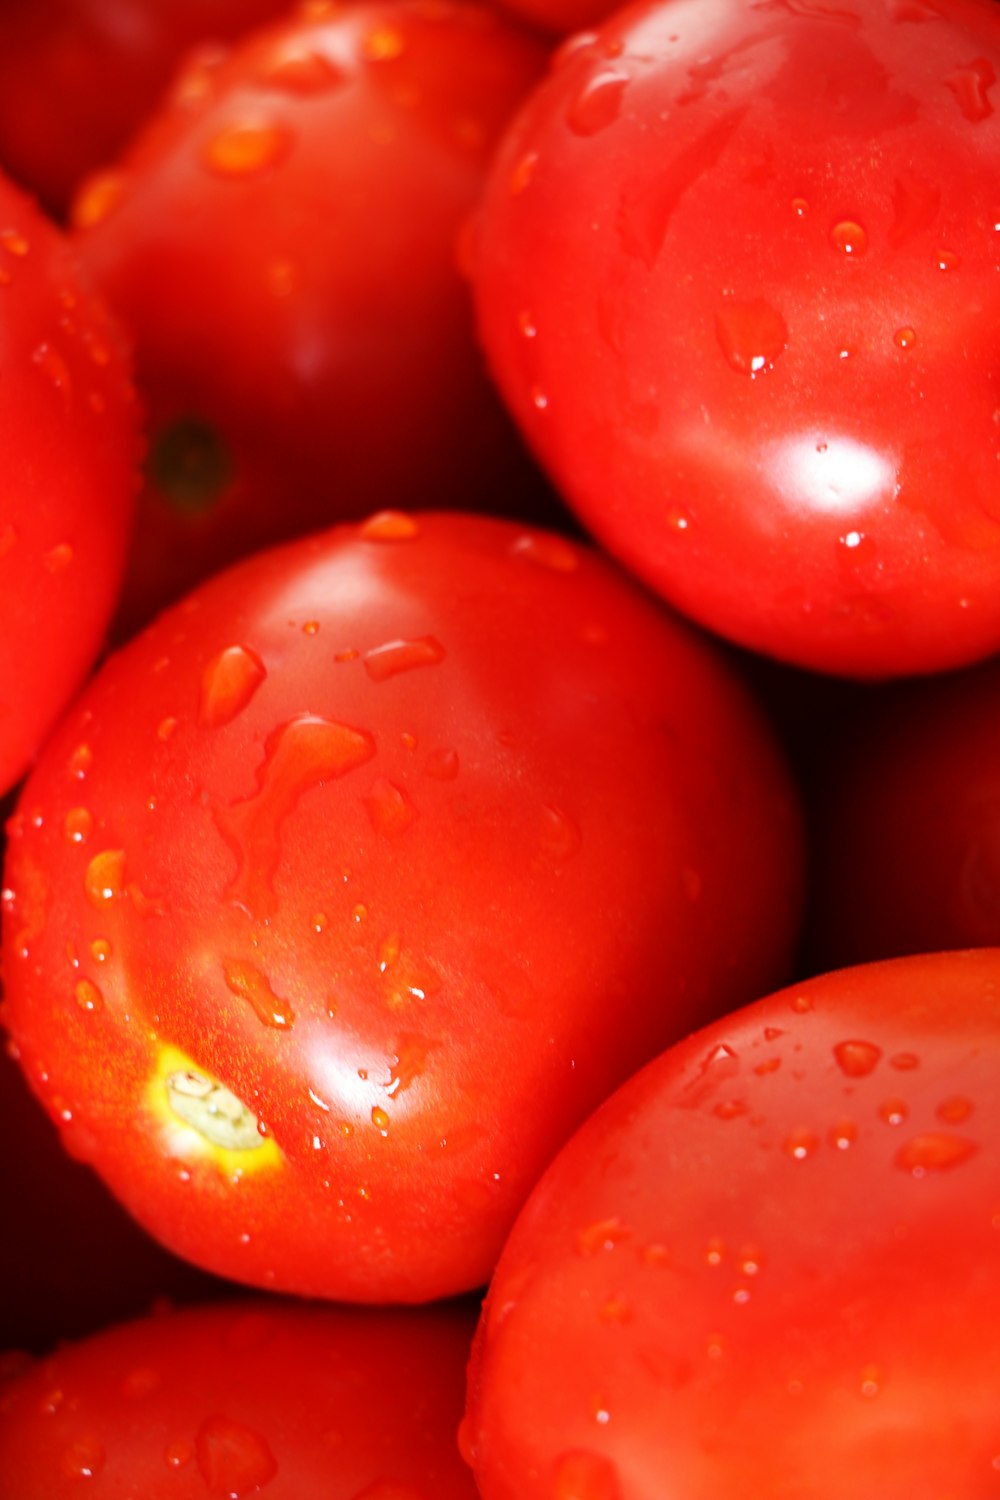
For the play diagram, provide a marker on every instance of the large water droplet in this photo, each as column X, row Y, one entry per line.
column 752, row 334
column 389, row 808
column 849, row 237
column 243, row 150
column 971, row 85
column 234, row 1460
column 598, row 104
column 228, row 683
column 934, row 1151
column 398, row 656
column 103, row 878
column 857, row 1059
column 297, row 756
column 247, row 982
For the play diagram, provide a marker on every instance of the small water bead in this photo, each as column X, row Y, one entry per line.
column 178, row 1453
column 246, row 982
column 388, row 660
column 948, row 260
column 78, row 825
column 843, row 1135
column 100, row 950
column 954, row 1109
column 390, row 810
column 243, row 150
column 228, row 682
column 905, row 1062
column 384, row 44
column 800, row 207
column 849, row 237
column 581, row 1475
column 893, row 1111
column 88, row 997
column 598, row 104
column 934, row 1151
column 234, row 1460
column 389, row 526
column 971, row 85
column 604, row 1235
column 801, row 1144
column 524, row 171
column 904, row 338
column 751, row 333
column 83, row 1459
column 538, row 398
column 547, row 551
column 380, row 1119
column 103, row 879
column 301, row 71
column 99, row 195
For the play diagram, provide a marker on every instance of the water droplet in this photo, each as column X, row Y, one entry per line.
column 409, row 1062
column 954, row 1109
column 233, row 1460
column 248, row 983
column 58, row 558
column 83, row 1459
column 384, row 44
column 616, row 1309
column 948, row 260
column 538, row 398
column 857, row 1059
column 849, row 238
column 54, row 367
column 719, row 1066
column 389, row 808
column 522, row 174
column 442, row 763
column 394, row 657
column 242, row 150
column 166, row 729
column 103, row 878
column 598, row 104
column 228, row 682
column 893, row 1111
column 301, row 71
column 78, row 825
column 934, row 1151
column 904, row 1061
column 904, row 338
column 752, row 334
column 88, row 997
column 581, row 1475
column 547, row 551
column 843, row 1135
column 801, row 1004
column 297, row 756
column 800, row 1144
column 14, row 243
column 770, row 1065
column 560, row 838
column 97, row 197
column 178, row 1453
column 971, row 85
column 730, row 1109
column 800, row 207
column 389, row 526
column 380, row 1119
column 80, row 761
column 605, row 1234
column 871, row 1381
column 100, row 950
column 526, row 325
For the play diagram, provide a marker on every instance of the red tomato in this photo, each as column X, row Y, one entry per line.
column 76, row 1258
column 350, row 886
column 282, row 242
column 907, row 823
column 69, row 436
column 738, row 280
column 768, row 1265
column 77, row 77
column 294, row 1403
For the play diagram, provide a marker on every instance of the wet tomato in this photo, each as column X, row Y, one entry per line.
column 737, row 275
column 69, row 434
column 230, row 1401
column 349, row 887
column 284, row 242
column 767, row 1265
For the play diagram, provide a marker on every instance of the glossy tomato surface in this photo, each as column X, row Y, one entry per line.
column 737, row 276
column 295, row 1403
column 78, row 76
column 767, row 1266
column 351, row 886
column 284, row 240
column 69, row 436
column 907, row 823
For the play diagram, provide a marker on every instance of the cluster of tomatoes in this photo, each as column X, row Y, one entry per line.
column 500, row 731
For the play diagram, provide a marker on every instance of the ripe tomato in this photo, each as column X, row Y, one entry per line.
column 767, row 1266
column 349, row 887
column 738, row 280
column 251, row 1397
column 282, row 242
column 69, row 434
column 907, row 823
column 77, row 77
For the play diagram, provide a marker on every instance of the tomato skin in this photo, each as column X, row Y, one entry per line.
column 77, row 77
column 283, row 240
column 737, row 280
column 767, row 1265
column 478, row 828
column 252, row 1396
column 69, row 434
